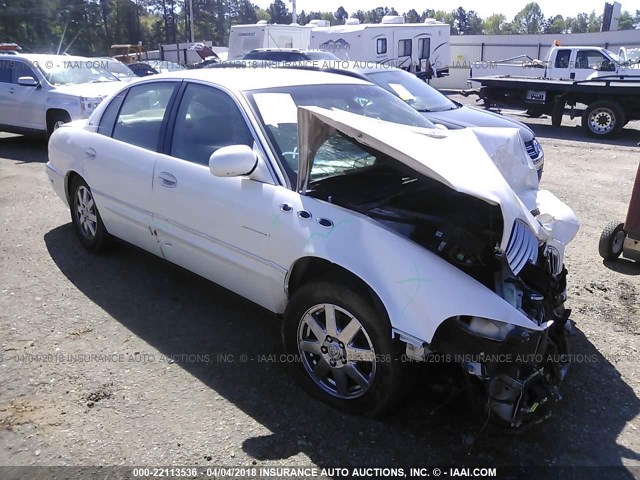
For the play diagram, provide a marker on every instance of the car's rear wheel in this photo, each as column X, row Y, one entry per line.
column 344, row 351
column 603, row 119
column 86, row 218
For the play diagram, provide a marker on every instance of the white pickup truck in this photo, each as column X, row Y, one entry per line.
column 563, row 63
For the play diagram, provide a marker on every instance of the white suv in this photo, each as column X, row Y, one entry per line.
column 38, row 93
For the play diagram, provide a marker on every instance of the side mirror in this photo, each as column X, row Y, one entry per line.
column 28, row 82
column 233, row 161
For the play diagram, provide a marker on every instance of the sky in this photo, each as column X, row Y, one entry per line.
column 483, row 7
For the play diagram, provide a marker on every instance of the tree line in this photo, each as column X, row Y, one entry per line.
column 89, row 27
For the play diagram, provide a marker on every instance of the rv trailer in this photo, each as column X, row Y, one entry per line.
column 420, row 48
column 245, row 38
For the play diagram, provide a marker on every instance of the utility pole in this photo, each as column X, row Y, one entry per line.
column 294, row 14
column 191, row 36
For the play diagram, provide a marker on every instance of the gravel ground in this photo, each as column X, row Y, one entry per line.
column 186, row 375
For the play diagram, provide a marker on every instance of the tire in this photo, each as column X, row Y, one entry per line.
column 55, row 120
column 533, row 113
column 603, row 119
column 324, row 365
column 86, row 218
column 611, row 240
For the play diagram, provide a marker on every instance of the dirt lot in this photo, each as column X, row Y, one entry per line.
column 183, row 377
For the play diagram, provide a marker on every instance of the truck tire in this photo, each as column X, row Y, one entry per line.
column 533, row 113
column 603, row 119
column 611, row 240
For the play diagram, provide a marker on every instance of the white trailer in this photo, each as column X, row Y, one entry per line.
column 244, row 38
column 421, row 48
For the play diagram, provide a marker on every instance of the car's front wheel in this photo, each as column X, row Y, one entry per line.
column 56, row 120
column 344, row 351
column 85, row 217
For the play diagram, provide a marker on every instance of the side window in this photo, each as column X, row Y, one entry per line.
column 5, row 71
column 562, row 58
column 424, row 45
column 381, row 46
column 21, row 69
column 590, row 59
column 404, row 48
column 142, row 113
column 108, row 118
column 208, row 119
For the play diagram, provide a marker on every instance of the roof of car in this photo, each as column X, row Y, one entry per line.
column 287, row 50
column 42, row 57
column 269, row 77
column 341, row 66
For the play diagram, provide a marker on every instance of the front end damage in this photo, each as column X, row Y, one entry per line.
column 517, row 370
column 488, row 219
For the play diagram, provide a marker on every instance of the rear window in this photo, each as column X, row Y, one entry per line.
column 275, row 56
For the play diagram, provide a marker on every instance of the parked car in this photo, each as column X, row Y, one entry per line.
column 432, row 104
column 288, row 55
column 38, row 93
column 328, row 200
column 117, row 68
column 153, row 67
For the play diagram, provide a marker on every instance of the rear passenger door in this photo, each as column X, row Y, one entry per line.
column 120, row 159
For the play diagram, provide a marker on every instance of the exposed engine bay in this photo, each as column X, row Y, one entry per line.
column 518, row 370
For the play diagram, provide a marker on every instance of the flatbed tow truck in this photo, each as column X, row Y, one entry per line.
column 606, row 103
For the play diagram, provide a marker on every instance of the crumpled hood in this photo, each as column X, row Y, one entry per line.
column 455, row 158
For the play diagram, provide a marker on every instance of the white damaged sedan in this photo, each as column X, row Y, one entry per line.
column 330, row 201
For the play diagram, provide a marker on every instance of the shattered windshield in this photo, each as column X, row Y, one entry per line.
column 277, row 109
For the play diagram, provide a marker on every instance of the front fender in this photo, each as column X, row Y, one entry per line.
column 418, row 289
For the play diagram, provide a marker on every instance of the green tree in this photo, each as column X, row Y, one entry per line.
column 447, row 17
column 580, row 24
column 328, row 16
column 628, row 21
column 359, row 15
column 279, row 13
column 262, row 14
column 474, row 23
column 412, row 16
column 493, row 24
column 555, row 24
column 529, row 20
column 595, row 22
column 341, row 15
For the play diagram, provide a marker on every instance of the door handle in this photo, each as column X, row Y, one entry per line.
column 167, row 180
column 90, row 153
column 12, row 90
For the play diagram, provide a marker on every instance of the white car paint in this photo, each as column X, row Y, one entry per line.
column 259, row 244
column 247, row 233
